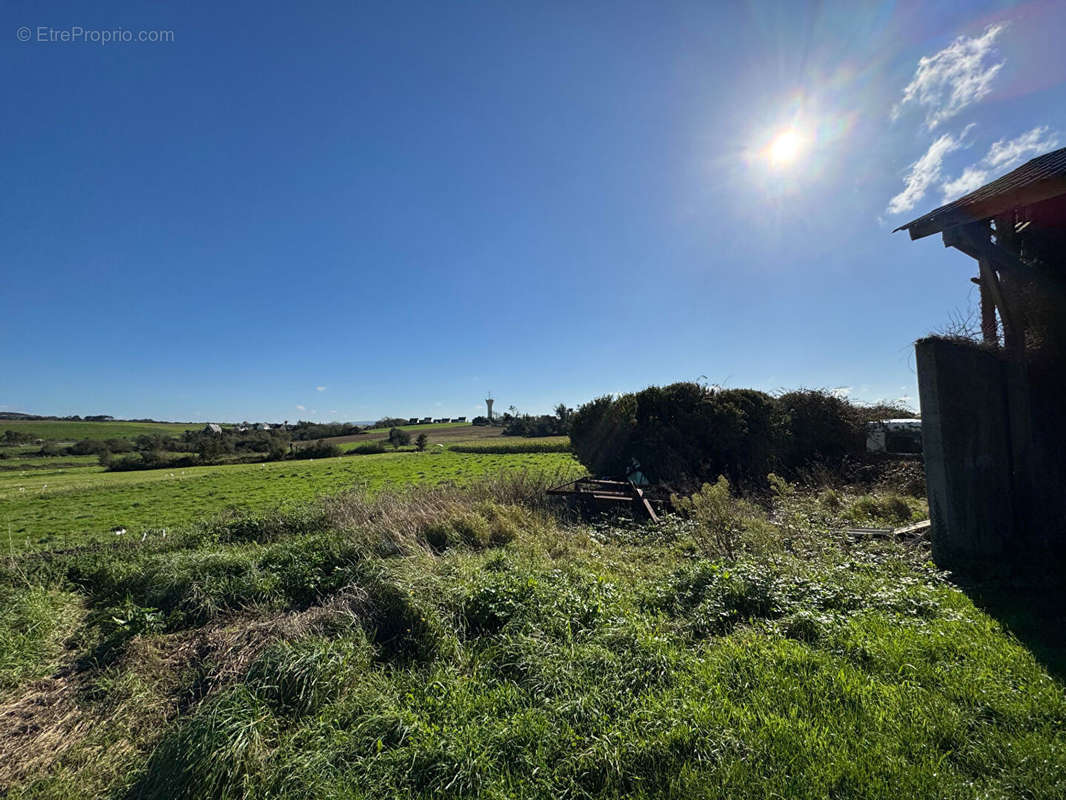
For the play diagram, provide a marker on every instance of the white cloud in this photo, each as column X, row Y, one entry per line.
column 842, row 391
column 924, row 172
column 320, row 388
column 300, row 408
column 1002, row 156
column 1006, row 154
column 971, row 178
column 958, row 76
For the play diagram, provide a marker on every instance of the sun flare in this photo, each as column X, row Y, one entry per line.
column 786, row 148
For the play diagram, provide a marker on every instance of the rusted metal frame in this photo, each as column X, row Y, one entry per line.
column 590, row 490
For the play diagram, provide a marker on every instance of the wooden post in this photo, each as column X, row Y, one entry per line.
column 990, row 281
column 989, row 327
column 1010, row 285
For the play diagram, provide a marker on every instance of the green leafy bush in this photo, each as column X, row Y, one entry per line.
column 686, row 433
column 722, row 521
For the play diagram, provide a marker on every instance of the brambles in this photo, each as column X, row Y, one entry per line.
column 686, row 434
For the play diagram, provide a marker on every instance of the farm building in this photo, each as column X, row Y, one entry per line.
column 212, row 427
column 993, row 415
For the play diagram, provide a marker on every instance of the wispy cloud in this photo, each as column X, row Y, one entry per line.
column 1005, row 154
column 958, row 76
column 320, row 388
column 926, row 171
column 300, row 408
column 970, row 179
column 1002, row 156
column 842, row 391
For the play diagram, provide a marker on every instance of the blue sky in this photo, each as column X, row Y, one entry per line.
column 340, row 211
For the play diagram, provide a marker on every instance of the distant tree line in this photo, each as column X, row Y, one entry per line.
column 557, row 424
column 685, row 434
column 304, row 431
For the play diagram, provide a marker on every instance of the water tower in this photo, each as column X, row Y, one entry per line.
column 488, row 402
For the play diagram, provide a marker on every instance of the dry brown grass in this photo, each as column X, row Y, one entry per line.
column 393, row 521
column 59, row 722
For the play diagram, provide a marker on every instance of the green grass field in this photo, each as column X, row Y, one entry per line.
column 57, row 463
column 468, row 643
column 64, row 431
column 56, row 508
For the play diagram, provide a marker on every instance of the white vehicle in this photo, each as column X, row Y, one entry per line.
column 894, row 436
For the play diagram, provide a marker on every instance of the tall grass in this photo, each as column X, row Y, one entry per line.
column 469, row 642
column 34, row 623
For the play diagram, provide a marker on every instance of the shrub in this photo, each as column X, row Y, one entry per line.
column 87, row 447
column 398, row 437
column 722, row 519
column 680, row 434
column 821, row 429
column 320, row 449
column 830, row 500
column 16, row 437
column 890, row 508
column 50, row 449
column 368, row 449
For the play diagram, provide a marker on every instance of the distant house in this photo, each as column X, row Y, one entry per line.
column 262, row 426
column 214, row 428
column 459, row 419
column 426, row 420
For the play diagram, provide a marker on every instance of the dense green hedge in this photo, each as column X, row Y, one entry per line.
column 689, row 433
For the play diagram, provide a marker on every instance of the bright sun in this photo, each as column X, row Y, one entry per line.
column 785, row 148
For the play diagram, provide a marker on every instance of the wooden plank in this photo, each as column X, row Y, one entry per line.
column 913, row 530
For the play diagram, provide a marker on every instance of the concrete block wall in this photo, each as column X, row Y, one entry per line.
column 968, row 455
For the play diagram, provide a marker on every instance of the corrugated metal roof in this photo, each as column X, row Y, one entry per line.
column 981, row 203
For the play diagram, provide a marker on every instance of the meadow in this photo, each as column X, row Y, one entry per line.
column 65, row 500
column 479, row 642
column 68, row 506
column 72, row 431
